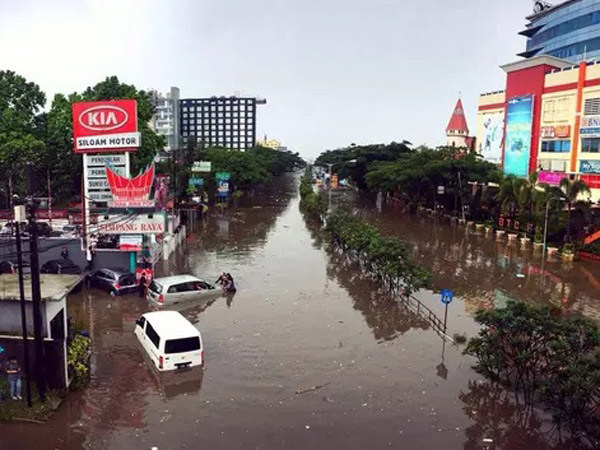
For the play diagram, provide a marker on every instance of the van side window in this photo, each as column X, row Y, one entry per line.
column 152, row 335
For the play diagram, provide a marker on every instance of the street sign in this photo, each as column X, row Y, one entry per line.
column 225, row 176
column 102, row 160
column 201, row 166
column 196, row 181
column 441, row 190
column 447, row 296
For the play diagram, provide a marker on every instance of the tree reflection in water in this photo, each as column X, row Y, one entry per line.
column 500, row 422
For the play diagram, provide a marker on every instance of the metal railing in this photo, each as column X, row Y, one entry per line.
column 419, row 307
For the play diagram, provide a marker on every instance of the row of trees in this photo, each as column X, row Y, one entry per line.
column 386, row 259
column 451, row 181
column 256, row 166
column 545, row 358
column 28, row 133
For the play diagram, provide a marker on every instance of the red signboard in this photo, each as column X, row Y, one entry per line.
column 42, row 214
column 130, row 192
column 105, row 126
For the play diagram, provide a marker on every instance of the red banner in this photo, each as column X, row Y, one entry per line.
column 42, row 214
column 130, row 192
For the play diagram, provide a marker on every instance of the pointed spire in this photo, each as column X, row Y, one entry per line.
column 458, row 121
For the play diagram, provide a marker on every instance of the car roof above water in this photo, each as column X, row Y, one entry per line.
column 171, row 324
column 169, row 281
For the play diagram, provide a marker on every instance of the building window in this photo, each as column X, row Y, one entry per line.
column 563, row 146
column 592, row 107
column 591, row 145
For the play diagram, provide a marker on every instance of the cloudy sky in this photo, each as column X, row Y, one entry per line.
column 333, row 71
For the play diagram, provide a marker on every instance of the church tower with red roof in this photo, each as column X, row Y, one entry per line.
column 457, row 131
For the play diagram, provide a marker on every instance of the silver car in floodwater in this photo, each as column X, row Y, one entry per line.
column 180, row 288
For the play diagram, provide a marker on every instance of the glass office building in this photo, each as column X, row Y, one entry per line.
column 569, row 30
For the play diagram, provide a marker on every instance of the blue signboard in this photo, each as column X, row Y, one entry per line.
column 447, row 296
column 197, row 181
column 517, row 145
column 589, row 166
column 222, row 188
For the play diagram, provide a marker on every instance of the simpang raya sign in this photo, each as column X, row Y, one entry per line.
column 130, row 224
column 105, row 126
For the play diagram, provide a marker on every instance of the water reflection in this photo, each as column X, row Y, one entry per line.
column 483, row 272
column 501, row 423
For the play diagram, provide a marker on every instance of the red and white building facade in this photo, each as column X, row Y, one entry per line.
column 547, row 119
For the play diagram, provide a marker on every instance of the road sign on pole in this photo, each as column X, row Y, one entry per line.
column 447, row 297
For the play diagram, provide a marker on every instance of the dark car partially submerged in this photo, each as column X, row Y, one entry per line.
column 13, row 267
column 114, row 281
column 61, row 267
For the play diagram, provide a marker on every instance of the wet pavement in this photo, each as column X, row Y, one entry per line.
column 307, row 353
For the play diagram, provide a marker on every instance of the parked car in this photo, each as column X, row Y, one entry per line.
column 8, row 230
column 180, row 288
column 170, row 340
column 12, row 267
column 114, row 281
column 71, row 230
column 43, row 229
column 61, row 267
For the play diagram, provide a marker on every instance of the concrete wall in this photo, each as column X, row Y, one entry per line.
column 10, row 315
column 50, row 248
column 54, row 359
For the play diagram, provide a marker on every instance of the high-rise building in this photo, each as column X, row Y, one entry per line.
column 569, row 30
column 165, row 121
column 228, row 122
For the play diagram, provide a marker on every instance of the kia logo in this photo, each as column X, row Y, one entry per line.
column 103, row 118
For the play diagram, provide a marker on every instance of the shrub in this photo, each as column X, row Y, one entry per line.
column 78, row 360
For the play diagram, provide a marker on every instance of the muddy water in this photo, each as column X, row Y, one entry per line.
column 307, row 353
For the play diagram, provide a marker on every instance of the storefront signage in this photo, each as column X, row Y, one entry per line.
column 130, row 192
column 550, row 177
column 197, row 181
column 100, row 196
column 589, row 166
column 223, row 175
column 202, row 166
column 518, row 136
column 590, row 126
column 131, row 224
column 131, row 242
column 559, row 131
column 103, row 160
column 104, row 126
column 100, row 172
column 223, row 188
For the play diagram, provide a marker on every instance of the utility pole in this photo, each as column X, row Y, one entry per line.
column 20, row 216
column 36, row 295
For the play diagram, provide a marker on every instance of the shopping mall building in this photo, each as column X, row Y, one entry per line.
column 547, row 119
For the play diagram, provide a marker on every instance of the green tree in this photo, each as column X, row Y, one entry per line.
column 571, row 193
column 20, row 104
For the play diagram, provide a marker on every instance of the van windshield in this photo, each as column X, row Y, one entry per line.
column 155, row 287
column 182, row 345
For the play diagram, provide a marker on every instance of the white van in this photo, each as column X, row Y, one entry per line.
column 170, row 340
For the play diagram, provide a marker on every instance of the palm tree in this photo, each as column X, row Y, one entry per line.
column 509, row 194
column 571, row 192
column 526, row 197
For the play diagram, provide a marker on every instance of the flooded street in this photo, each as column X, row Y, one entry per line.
column 307, row 354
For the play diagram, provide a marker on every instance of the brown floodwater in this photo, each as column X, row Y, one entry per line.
column 308, row 354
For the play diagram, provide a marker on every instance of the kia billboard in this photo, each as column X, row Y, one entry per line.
column 105, row 126
column 517, row 146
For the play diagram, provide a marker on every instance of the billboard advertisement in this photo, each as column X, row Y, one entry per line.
column 517, row 147
column 131, row 224
column 492, row 137
column 105, row 126
column 589, row 166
